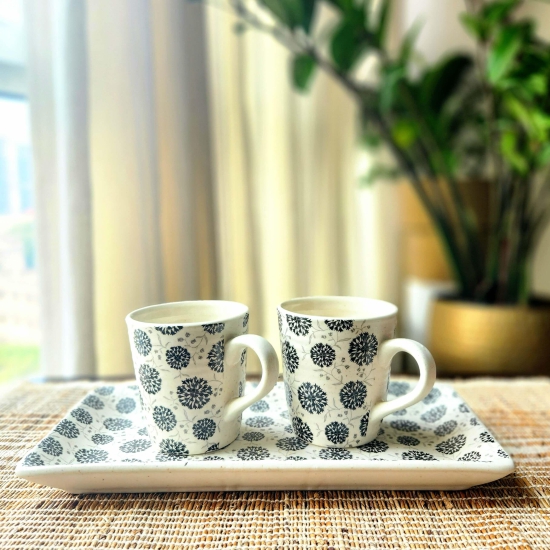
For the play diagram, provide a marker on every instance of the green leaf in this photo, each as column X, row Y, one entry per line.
column 308, row 13
column 508, row 146
column 390, row 80
column 441, row 82
column 496, row 12
column 543, row 158
column 378, row 172
column 381, row 30
column 409, row 41
column 404, row 133
column 303, row 68
column 288, row 12
column 503, row 52
column 474, row 25
column 343, row 5
column 348, row 42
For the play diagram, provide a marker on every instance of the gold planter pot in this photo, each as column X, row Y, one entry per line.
column 469, row 339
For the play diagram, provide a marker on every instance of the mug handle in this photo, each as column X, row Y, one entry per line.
column 270, row 371
column 426, row 365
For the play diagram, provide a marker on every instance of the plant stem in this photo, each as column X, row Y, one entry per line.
column 451, row 250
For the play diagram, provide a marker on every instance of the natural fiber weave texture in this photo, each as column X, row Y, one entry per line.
column 513, row 512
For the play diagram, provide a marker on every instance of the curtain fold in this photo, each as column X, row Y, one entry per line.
column 58, row 88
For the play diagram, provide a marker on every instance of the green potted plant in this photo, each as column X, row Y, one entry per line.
column 484, row 116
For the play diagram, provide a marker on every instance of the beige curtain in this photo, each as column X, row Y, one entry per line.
column 153, row 204
column 286, row 168
column 204, row 174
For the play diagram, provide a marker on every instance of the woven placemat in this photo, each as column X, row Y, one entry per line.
column 513, row 512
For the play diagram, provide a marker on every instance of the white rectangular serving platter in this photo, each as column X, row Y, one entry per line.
column 102, row 446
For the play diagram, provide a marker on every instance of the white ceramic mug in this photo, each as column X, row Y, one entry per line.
column 337, row 354
column 190, row 362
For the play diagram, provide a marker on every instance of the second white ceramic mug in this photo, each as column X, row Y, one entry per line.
column 337, row 354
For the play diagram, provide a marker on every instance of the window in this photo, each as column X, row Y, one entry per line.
column 19, row 308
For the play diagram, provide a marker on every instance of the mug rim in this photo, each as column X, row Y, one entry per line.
column 391, row 309
column 243, row 310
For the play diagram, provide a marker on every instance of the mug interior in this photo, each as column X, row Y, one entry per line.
column 189, row 313
column 342, row 307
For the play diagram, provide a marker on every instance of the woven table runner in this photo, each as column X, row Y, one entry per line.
column 513, row 512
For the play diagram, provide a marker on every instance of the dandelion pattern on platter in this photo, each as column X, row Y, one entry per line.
column 334, row 453
column 363, row 349
column 339, row 325
column 472, row 456
column 446, row 428
column 178, row 357
column 312, row 398
column 115, row 437
column 405, row 425
column 135, row 446
column 298, row 325
column 83, row 416
column 216, row 356
column 51, row 446
column 169, row 330
column 399, row 388
column 353, row 395
column 91, row 456
column 126, row 405
column 117, row 424
column 435, row 414
column 253, row 453
column 93, row 402
column 142, row 342
column 260, row 406
column 408, row 440
column 374, row 446
column 253, row 436
column 322, row 355
column 33, row 459
column 102, row 439
column 172, row 450
column 259, row 421
column 291, row 444
column 452, row 445
column 432, row 397
column 105, row 390
column 194, row 393
column 417, row 455
column 68, row 429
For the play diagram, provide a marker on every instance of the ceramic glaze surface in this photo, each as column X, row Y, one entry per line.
column 185, row 379
column 106, row 427
column 334, row 370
